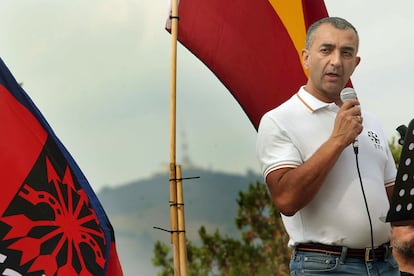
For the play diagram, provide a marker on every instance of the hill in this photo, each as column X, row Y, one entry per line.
column 136, row 208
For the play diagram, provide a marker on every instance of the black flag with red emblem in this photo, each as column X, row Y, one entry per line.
column 51, row 222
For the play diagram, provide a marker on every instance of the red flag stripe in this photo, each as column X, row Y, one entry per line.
column 17, row 124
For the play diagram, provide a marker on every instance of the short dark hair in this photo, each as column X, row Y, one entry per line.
column 337, row 22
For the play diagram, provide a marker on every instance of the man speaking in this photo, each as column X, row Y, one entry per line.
column 330, row 190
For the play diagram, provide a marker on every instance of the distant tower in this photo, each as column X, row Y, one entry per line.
column 186, row 160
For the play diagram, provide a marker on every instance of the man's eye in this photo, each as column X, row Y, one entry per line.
column 347, row 54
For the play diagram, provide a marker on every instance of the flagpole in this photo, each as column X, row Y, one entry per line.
column 173, row 105
column 176, row 208
column 181, row 224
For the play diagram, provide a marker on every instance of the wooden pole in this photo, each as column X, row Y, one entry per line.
column 173, row 82
column 173, row 177
column 181, row 224
column 174, row 221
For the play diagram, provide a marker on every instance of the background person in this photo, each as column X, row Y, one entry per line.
column 402, row 241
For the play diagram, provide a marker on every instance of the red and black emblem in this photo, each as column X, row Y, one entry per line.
column 49, row 228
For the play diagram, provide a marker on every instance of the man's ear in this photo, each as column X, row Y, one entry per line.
column 358, row 60
column 305, row 58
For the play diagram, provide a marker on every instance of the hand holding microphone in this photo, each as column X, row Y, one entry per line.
column 346, row 95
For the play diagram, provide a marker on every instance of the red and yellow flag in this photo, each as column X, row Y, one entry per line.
column 253, row 47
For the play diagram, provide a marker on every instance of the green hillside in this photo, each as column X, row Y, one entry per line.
column 136, row 208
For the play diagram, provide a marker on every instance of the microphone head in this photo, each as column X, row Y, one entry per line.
column 348, row 93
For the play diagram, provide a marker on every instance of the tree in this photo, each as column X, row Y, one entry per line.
column 396, row 149
column 261, row 250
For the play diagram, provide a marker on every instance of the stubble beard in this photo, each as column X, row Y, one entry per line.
column 405, row 248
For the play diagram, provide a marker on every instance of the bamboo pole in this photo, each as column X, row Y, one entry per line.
column 174, row 221
column 181, row 224
column 173, row 177
column 173, row 82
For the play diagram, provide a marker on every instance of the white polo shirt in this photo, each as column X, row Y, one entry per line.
column 290, row 134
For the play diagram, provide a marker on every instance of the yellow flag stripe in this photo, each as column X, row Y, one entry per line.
column 290, row 13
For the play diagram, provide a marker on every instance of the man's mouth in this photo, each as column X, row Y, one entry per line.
column 332, row 75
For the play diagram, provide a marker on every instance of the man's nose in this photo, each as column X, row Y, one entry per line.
column 336, row 58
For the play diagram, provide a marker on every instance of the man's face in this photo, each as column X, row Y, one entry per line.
column 331, row 60
column 402, row 240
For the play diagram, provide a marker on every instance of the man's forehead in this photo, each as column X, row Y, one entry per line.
column 330, row 35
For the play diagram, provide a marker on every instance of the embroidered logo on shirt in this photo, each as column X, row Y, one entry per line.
column 375, row 139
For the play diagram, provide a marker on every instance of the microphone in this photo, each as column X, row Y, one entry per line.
column 349, row 93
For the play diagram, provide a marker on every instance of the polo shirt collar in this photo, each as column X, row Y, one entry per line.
column 312, row 103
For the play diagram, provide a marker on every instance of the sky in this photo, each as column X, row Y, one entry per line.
column 99, row 71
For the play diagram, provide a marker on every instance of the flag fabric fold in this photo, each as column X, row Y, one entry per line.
column 253, row 47
column 51, row 222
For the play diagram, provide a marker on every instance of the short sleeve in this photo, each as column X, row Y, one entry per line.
column 274, row 148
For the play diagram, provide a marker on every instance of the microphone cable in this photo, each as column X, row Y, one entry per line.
column 367, row 209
